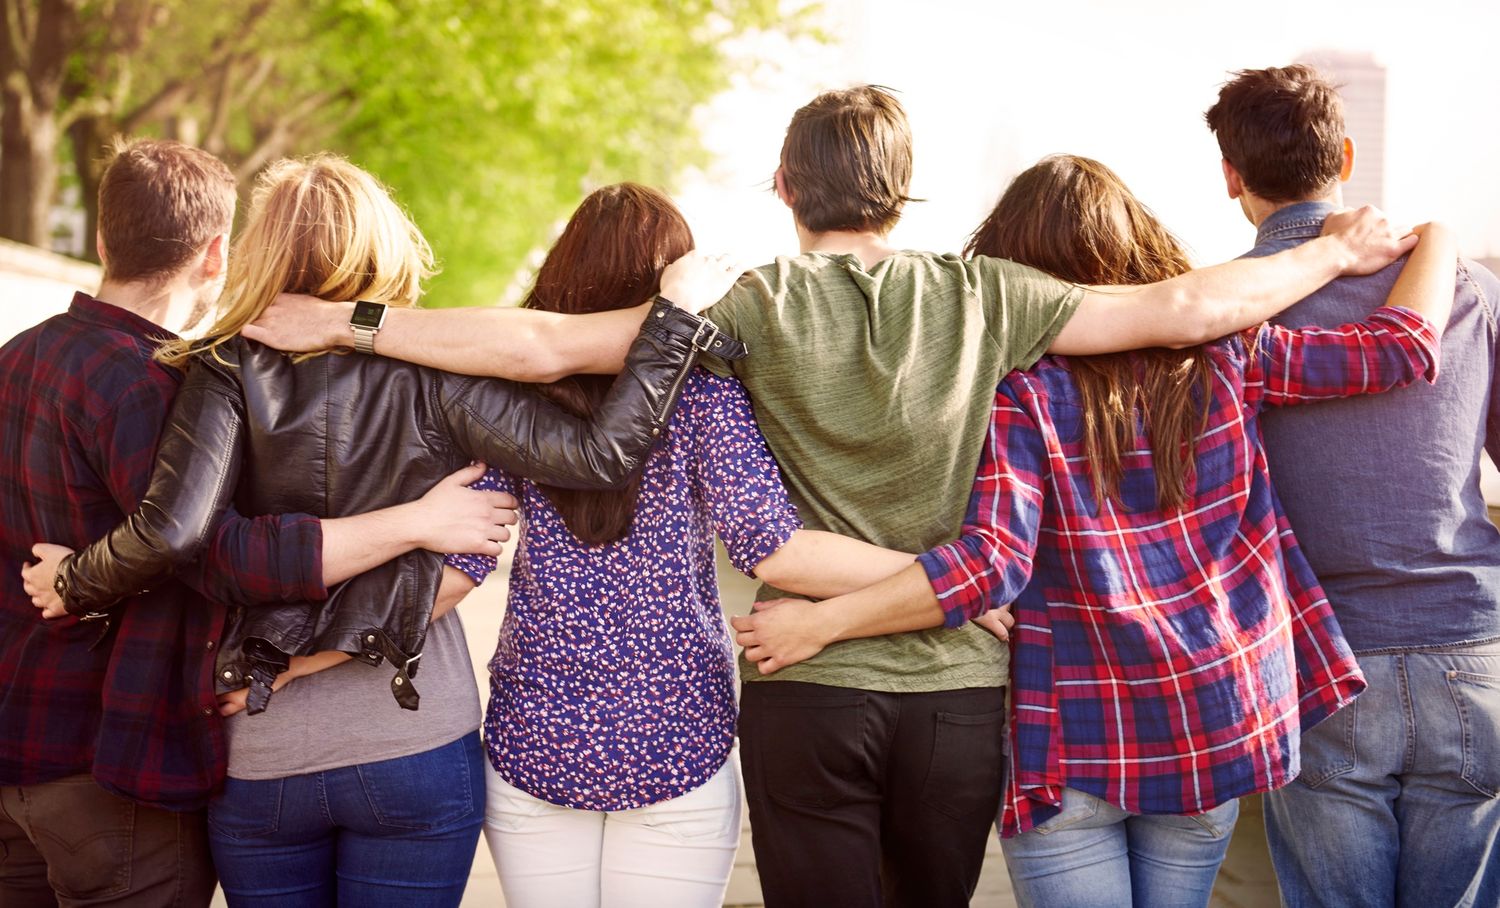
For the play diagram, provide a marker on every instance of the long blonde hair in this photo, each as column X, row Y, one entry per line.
column 320, row 226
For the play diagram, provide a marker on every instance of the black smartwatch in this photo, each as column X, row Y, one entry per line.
column 365, row 323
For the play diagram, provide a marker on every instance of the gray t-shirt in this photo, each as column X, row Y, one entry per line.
column 346, row 715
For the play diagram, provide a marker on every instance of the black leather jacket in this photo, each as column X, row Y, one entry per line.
column 341, row 435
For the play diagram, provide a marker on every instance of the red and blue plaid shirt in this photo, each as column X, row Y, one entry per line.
column 81, row 407
column 1165, row 662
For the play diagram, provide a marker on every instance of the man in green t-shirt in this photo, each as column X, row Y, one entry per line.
column 873, row 771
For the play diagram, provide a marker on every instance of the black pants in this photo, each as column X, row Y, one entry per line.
column 861, row 798
column 71, row 843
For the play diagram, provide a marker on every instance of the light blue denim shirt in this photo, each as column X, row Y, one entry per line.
column 1383, row 490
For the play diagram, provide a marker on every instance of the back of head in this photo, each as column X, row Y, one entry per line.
column 1282, row 129
column 609, row 256
column 160, row 203
column 323, row 227
column 846, row 161
column 1073, row 218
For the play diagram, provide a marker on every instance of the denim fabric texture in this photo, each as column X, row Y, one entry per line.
column 1397, row 802
column 1092, row 854
column 1383, row 491
column 399, row 833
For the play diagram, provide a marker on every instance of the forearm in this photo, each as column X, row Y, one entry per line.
column 1201, row 305
column 519, row 344
column 451, row 591
column 900, row 603
column 302, row 666
column 819, row 564
column 1426, row 282
column 353, row 545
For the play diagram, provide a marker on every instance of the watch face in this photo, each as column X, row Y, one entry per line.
column 368, row 315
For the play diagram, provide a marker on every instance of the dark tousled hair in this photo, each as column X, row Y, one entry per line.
column 159, row 203
column 846, row 161
column 1282, row 129
column 1073, row 218
column 609, row 256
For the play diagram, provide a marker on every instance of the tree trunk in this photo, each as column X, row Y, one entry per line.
column 28, row 169
column 90, row 137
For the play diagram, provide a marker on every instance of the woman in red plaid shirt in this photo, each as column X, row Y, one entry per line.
column 1172, row 642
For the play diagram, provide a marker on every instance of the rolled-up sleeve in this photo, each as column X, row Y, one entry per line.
column 736, row 475
column 991, row 561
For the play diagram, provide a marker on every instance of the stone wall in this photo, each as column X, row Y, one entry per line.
column 36, row 284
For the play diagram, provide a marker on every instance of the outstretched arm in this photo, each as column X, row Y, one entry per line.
column 1210, row 303
column 819, row 564
column 519, row 344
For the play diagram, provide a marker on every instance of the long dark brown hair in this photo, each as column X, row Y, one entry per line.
column 1073, row 218
column 610, row 256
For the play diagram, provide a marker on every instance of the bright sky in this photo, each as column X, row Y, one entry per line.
column 991, row 87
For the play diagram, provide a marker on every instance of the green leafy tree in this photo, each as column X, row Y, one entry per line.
column 489, row 118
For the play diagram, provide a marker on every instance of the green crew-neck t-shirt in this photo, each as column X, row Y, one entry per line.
column 874, row 391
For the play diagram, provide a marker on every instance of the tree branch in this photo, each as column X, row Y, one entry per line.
column 277, row 139
column 177, row 91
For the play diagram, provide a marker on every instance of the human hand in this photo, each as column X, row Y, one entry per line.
column 998, row 621
column 237, row 700
column 697, row 280
column 456, row 520
column 37, row 579
column 1369, row 238
column 296, row 323
column 781, row 632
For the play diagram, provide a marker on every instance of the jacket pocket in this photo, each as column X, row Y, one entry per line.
column 963, row 777
column 247, row 809
column 423, row 791
column 1477, row 698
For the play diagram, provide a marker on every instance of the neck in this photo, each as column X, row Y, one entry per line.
column 169, row 305
column 867, row 245
column 1258, row 209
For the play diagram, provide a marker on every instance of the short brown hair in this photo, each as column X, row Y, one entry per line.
column 1283, row 129
column 847, row 161
column 159, row 202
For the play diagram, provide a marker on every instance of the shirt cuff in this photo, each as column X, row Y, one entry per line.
column 477, row 567
column 1421, row 331
column 747, row 553
column 299, row 545
column 950, row 583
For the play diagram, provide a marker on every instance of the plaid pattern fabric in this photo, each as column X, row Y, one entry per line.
column 1163, row 662
column 81, row 407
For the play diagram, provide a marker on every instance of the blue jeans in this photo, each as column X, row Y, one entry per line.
column 1397, row 801
column 1095, row 855
column 399, row 832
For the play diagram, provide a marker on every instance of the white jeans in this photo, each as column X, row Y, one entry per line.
column 677, row 852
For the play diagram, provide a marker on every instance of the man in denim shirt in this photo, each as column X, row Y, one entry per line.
column 1397, row 800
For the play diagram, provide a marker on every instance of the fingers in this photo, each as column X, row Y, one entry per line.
column 1407, row 244
column 741, row 623
column 504, row 515
column 501, row 500
column 466, row 475
column 260, row 335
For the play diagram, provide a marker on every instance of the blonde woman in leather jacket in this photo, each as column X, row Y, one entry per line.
column 337, row 793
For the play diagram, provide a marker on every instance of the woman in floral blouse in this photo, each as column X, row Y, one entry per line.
column 611, row 715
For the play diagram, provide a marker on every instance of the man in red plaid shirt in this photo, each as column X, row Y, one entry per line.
column 110, row 735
